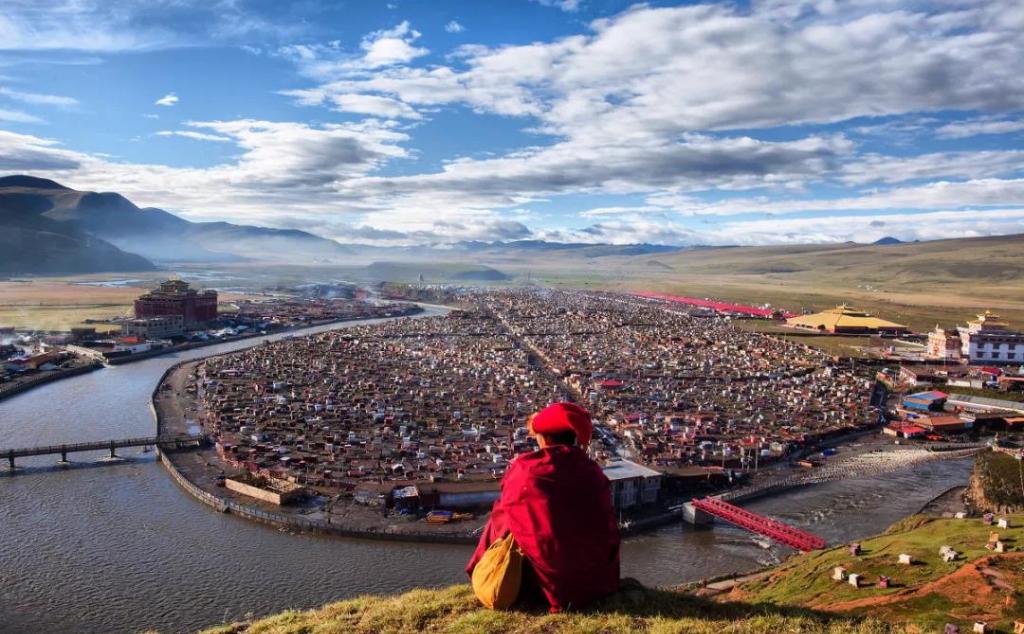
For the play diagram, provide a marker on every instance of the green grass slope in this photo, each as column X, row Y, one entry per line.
column 979, row 586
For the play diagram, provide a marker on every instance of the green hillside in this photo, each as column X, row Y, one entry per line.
column 979, row 586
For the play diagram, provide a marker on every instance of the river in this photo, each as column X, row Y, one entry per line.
column 121, row 548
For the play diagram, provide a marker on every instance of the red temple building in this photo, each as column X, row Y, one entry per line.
column 174, row 297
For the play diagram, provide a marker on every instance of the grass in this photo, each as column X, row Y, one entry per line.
column 62, row 304
column 837, row 345
column 927, row 594
column 941, row 282
column 455, row 610
column 1002, row 477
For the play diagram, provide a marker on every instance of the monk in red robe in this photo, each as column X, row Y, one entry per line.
column 557, row 504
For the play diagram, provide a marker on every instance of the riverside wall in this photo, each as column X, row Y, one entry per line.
column 25, row 386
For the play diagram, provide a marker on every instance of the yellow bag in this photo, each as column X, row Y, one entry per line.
column 499, row 574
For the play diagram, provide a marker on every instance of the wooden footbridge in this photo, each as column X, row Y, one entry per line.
column 773, row 529
column 163, row 442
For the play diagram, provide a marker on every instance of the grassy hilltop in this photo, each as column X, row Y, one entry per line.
column 455, row 610
column 798, row 596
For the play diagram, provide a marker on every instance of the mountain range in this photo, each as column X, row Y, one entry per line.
column 47, row 228
column 50, row 228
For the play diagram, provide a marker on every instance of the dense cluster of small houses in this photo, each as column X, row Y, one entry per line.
column 679, row 386
column 446, row 399
column 295, row 311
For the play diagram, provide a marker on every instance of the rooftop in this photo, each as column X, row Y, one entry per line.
column 620, row 469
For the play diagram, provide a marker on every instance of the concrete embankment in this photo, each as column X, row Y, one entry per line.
column 48, row 377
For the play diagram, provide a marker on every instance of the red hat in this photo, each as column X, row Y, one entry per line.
column 559, row 417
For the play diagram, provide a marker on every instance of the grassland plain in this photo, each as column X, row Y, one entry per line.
column 64, row 303
column 798, row 596
column 920, row 284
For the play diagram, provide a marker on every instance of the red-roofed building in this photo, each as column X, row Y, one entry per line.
column 722, row 307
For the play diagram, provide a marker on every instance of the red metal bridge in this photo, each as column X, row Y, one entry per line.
column 782, row 533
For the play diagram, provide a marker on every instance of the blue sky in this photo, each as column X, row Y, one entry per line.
column 415, row 121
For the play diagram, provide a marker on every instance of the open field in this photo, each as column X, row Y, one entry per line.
column 63, row 303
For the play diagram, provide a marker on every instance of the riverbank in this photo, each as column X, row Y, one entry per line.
column 19, row 386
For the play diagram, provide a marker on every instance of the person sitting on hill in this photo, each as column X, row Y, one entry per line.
column 556, row 504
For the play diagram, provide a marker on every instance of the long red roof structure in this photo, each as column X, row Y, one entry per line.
column 722, row 307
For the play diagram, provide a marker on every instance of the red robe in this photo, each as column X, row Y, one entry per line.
column 557, row 504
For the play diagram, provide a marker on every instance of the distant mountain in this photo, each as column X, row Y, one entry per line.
column 158, row 234
column 108, row 223
column 888, row 240
column 33, row 244
column 584, row 249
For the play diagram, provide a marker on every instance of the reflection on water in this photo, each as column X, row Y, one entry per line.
column 122, row 548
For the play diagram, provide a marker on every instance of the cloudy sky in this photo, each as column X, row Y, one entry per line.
column 416, row 121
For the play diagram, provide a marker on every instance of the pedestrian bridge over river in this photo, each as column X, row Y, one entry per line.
column 774, row 529
column 163, row 442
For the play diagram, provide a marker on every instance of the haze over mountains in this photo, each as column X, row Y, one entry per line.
column 95, row 232
column 50, row 228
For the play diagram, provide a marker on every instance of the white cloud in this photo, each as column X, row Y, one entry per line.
column 621, row 103
column 107, row 26
column 373, row 105
column 666, row 104
column 380, row 50
column 192, row 134
column 16, row 116
column 454, row 26
column 38, row 99
column 564, row 5
column 283, row 168
column 990, row 192
column 905, row 226
column 614, row 211
column 167, row 100
column 666, row 71
column 630, row 228
column 391, row 46
column 978, row 127
column 876, row 168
